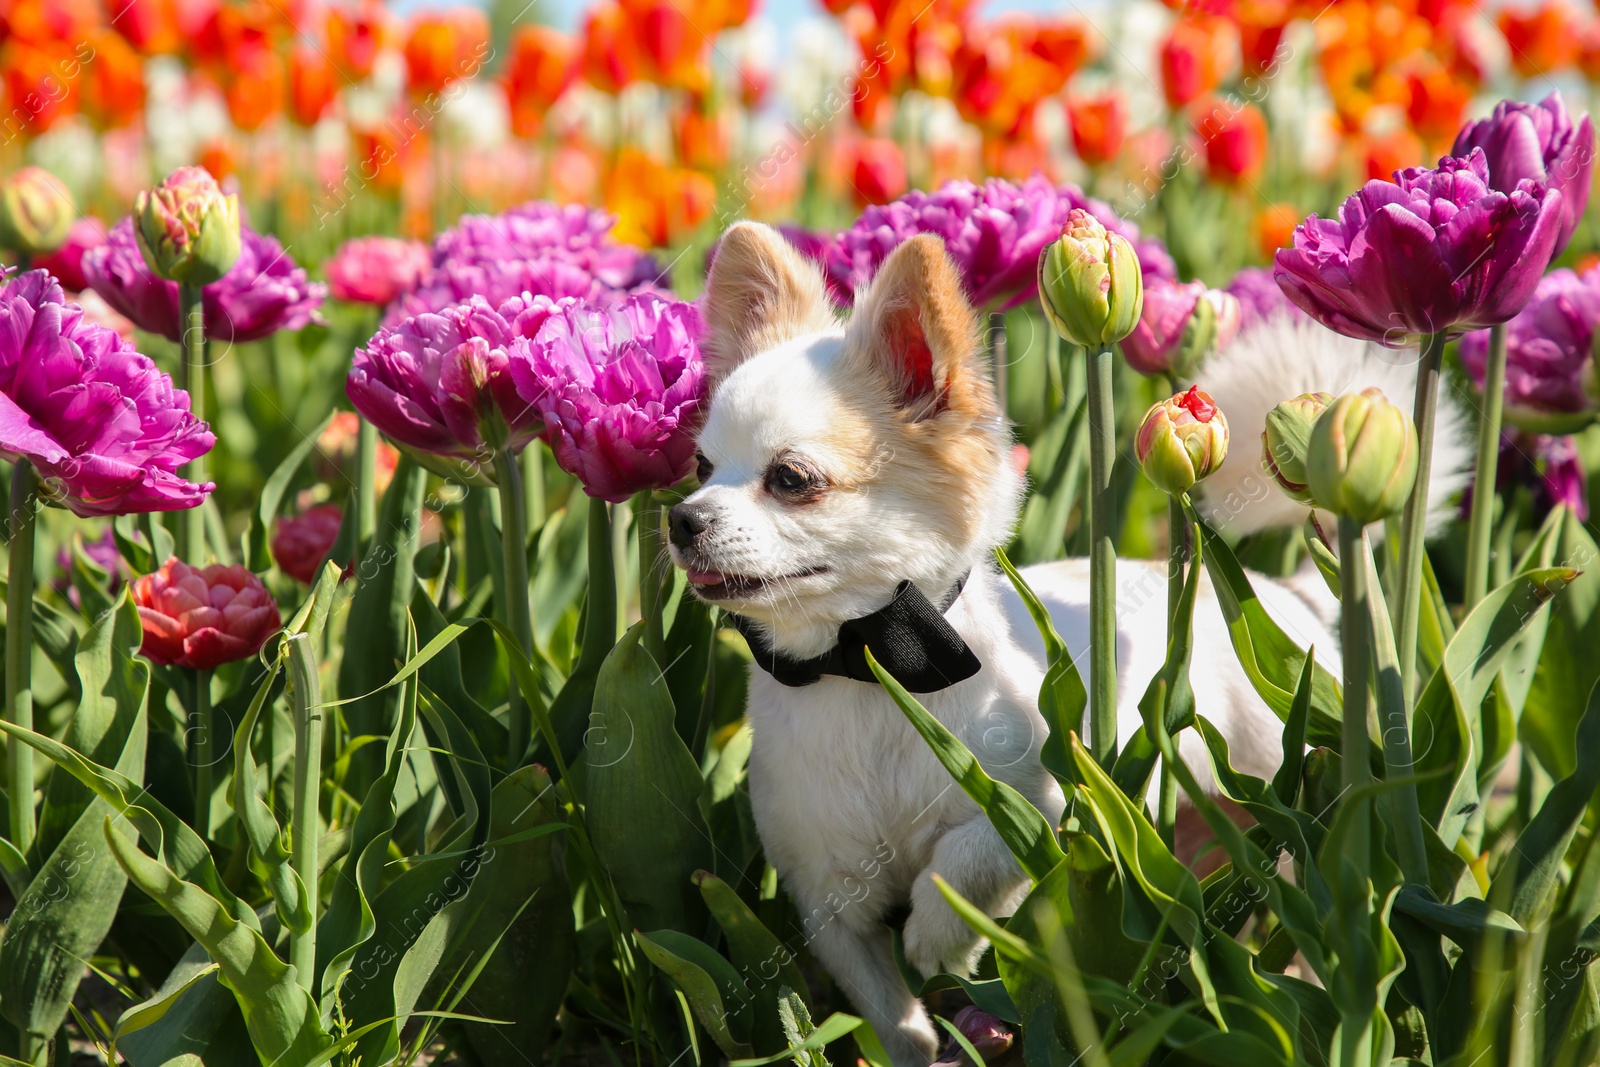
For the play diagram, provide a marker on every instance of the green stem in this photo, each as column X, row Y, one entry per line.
column 533, row 484
column 366, row 482
column 1480, row 529
column 1413, row 528
column 202, row 752
column 652, row 576
column 1177, row 560
column 1102, row 562
column 19, row 651
column 191, row 533
column 998, row 357
column 1354, row 638
column 519, row 614
column 304, row 827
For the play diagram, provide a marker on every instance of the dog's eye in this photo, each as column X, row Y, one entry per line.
column 790, row 479
column 703, row 468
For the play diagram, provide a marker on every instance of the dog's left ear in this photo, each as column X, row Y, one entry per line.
column 916, row 328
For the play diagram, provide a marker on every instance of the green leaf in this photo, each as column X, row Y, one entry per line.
column 708, row 981
column 279, row 1015
column 266, row 512
column 1534, row 865
column 1056, row 465
column 765, row 964
column 70, row 904
column 641, row 790
column 1558, row 694
column 1026, row 832
column 1062, row 696
column 1270, row 659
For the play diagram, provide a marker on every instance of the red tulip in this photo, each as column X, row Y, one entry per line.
column 443, row 48
column 1191, row 61
column 1235, row 141
column 203, row 618
column 1099, row 127
column 356, row 36
column 610, row 57
column 303, row 541
column 879, row 172
column 1543, row 40
column 151, row 26
column 313, row 85
column 542, row 65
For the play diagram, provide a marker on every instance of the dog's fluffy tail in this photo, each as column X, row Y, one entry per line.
column 1283, row 357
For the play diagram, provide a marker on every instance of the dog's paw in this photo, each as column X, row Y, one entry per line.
column 936, row 939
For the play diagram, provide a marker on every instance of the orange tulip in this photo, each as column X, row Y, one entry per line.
column 610, row 55
column 234, row 33
column 151, row 26
column 220, row 159
column 701, row 137
column 113, row 83
column 656, row 205
column 254, row 90
column 313, row 85
column 542, row 64
column 1396, row 150
column 674, row 51
column 45, row 22
column 41, row 84
column 379, row 158
column 1001, row 70
column 356, row 34
column 1542, row 41
column 445, row 47
column 1099, row 127
column 1261, row 25
column 1235, row 139
column 878, row 172
column 1588, row 58
column 1438, row 104
column 1275, row 225
column 1191, row 60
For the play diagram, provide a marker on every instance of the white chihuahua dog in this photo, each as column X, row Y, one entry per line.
column 855, row 480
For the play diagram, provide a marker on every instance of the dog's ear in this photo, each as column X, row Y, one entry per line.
column 916, row 327
column 761, row 292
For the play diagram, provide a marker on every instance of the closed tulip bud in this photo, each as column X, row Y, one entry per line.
column 1362, row 460
column 36, row 211
column 188, row 229
column 1321, row 784
column 1090, row 283
column 1287, row 439
column 1181, row 440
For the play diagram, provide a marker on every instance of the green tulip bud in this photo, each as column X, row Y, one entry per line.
column 1090, row 283
column 1181, row 440
column 187, row 228
column 1287, row 439
column 1362, row 460
column 1321, row 784
column 36, row 211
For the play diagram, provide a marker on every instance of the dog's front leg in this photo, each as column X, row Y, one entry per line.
column 860, row 957
column 978, row 865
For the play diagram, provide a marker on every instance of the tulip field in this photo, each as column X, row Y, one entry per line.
column 354, row 361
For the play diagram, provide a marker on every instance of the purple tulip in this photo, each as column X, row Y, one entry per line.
column 106, row 430
column 988, row 1034
column 1549, row 346
column 1549, row 464
column 1536, row 142
column 537, row 229
column 619, row 389
column 263, row 293
column 102, row 552
column 1159, row 340
column 1260, row 298
column 555, row 274
column 437, row 384
column 1433, row 251
column 994, row 232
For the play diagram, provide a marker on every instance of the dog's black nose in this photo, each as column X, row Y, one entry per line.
column 688, row 521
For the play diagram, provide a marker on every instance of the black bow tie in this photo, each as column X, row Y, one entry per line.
column 910, row 638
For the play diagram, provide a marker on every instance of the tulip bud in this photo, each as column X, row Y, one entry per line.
column 1321, row 784
column 1286, row 440
column 36, row 211
column 988, row 1034
column 1090, row 283
column 1181, row 440
column 1362, row 460
column 187, row 228
column 1211, row 327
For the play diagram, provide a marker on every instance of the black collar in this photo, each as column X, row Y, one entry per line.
column 909, row 637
